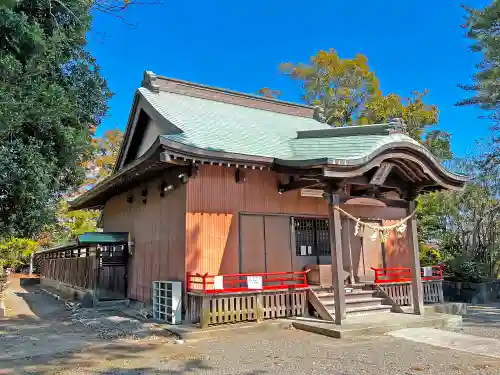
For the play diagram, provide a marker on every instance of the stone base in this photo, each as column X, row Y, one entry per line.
column 451, row 308
column 375, row 324
column 86, row 297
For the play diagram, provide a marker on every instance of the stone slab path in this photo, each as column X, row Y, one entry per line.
column 451, row 340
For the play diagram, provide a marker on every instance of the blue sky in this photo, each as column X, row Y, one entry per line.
column 411, row 45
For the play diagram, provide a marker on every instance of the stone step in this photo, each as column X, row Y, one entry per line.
column 354, row 294
column 359, row 302
column 368, row 310
column 355, row 287
column 356, row 310
column 363, row 286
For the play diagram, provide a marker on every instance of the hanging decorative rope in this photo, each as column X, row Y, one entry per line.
column 383, row 231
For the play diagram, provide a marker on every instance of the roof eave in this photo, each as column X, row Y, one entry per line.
column 197, row 154
column 81, row 201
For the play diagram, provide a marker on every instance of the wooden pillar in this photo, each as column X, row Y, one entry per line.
column 205, row 311
column 334, row 228
column 416, row 279
column 259, row 307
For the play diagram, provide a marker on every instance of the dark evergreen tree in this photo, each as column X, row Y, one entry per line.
column 52, row 97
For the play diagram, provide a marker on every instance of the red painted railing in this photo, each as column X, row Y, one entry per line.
column 397, row 275
column 238, row 282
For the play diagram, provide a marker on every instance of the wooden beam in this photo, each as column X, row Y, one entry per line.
column 397, row 203
column 416, row 279
column 297, row 185
column 381, row 174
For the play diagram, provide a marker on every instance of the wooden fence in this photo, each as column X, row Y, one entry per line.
column 80, row 272
column 212, row 309
column 401, row 293
column 433, row 291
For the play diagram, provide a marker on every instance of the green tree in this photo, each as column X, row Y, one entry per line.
column 52, row 97
column 417, row 115
column 347, row 91
column 104, row 153
column 269, row 93
column 340, row 87
column 466, row 224
column 483, row 28
column 70, row 224
column 15, row 251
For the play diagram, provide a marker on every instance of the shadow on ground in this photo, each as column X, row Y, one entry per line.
column 483, row 314
column 127, row 357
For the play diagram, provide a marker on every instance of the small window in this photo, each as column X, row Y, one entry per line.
column 311, row 237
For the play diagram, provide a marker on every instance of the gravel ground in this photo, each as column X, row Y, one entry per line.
column 39, row 325
column 104, row 343
column 266, row 350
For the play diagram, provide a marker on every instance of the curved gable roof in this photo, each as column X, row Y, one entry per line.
column 208, row 124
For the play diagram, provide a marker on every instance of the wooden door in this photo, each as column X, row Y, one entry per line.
column 278, row 244
column 252, row 244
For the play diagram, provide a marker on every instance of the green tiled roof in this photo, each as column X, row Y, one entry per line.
column 347, row 147
column 102, row 238
column 218, row 126
column 227, row 127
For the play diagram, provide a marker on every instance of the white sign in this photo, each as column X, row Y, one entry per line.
column 219, row 282
column 316, row 193
column 254, row 282
column 303, row 250
column 427, row 271
column 309, row 250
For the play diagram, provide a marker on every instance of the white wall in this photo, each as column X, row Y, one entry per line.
column 152, row 132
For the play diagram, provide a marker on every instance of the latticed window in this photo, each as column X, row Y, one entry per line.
column 311, row 237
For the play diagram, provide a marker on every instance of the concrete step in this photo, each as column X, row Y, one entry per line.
column 363, row 286
column 375, row 324
column 363, row 310
column 355, row 287
column 355, row 303
column 368, row 310
column 356, row 293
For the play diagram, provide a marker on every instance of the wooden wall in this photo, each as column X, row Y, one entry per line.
column 214, row 204
column 158, row 229
column 195, row 227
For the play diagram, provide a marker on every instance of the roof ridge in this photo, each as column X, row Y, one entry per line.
column 157, row 83
column 351, row 130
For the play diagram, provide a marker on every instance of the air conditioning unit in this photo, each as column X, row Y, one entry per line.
column 167, row 301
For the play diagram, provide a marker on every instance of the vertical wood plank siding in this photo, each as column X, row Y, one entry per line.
column 79, row 272
column 158, row 229
column 195, row 227
column 215, row 200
